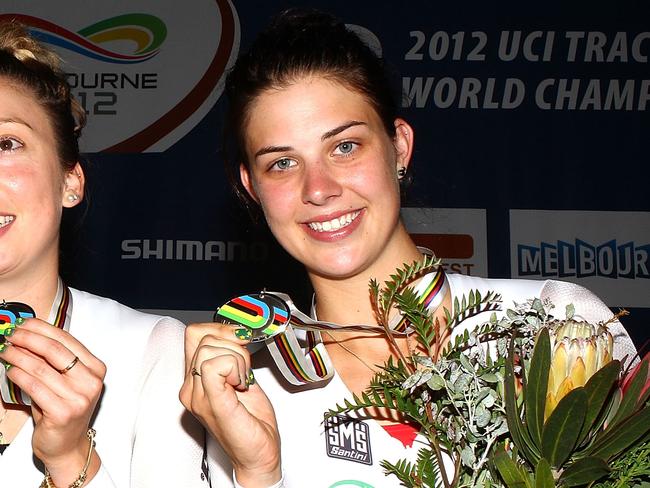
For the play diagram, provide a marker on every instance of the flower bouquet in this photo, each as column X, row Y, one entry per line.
column 522, row 400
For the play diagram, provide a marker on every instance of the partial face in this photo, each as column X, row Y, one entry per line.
column 33, row 187
column 325, row 173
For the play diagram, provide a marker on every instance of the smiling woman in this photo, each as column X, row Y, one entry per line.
column 74, row 362
column 329, row 178
column 319, row 147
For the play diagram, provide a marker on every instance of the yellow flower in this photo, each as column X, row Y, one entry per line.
column 578, row 350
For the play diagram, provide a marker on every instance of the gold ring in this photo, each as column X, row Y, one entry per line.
column 69, row 366
column 195, row 372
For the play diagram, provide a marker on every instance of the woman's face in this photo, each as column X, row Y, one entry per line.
column 33, row 186
column 324, row 170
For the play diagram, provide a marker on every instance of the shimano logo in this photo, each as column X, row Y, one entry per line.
column 180, row 250
column 581, row 259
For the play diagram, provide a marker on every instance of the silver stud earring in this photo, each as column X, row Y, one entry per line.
column 401, row 172
column 73, row 197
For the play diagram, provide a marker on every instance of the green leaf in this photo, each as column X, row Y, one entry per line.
column 570, row 311
column 584, row 471
column 544, row 475
column 465, row 362
column 563, row 427
column 518, row 431
column 511, row 473
column 598, row 390
column 537, row 385
column 629, row 400
column 436, row 382
column 629, row 431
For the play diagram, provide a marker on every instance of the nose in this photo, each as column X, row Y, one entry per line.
column 320, row 184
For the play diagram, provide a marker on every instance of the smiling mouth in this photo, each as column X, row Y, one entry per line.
column 6, row 220
column 334, row 224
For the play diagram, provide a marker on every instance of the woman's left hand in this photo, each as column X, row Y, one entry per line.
column 64, row 392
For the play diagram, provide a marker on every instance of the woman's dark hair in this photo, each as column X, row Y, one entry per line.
column 28, row 64
column 299, row 43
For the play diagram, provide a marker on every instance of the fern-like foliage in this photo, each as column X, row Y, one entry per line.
column 453, row 393
column 425, row 473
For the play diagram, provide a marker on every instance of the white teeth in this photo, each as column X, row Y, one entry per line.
column 6, row 220
column 334, row 224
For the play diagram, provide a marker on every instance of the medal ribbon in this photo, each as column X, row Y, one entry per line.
column 309, row 362
column 60, row 316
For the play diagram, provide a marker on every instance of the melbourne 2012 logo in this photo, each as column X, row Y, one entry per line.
column 146, row 77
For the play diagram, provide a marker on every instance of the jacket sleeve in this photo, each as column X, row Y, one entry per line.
column 167, row 440
column 101, row 480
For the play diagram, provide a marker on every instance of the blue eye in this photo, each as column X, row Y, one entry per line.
column 9, row 144
column 346, row 147
column 283, row 164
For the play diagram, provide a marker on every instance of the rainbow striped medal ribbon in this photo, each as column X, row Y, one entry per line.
column 60, row 314
column 272, row 317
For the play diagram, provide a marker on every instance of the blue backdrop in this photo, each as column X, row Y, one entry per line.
column 539, row 106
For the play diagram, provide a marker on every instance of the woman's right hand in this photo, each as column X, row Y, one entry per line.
column 220, row 391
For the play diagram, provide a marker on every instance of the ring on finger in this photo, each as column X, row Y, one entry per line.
column 195, row 372
column 69, row 366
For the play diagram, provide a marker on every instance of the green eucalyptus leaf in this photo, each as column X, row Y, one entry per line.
column 570, row 311
column 463, row 381
column 436, row 382
column 537, row 385
column 532, row 320
column 563, row 427
column 490, row 377
column 544, row 475
column 483, row 416
column 465, row 362
column 538, row 306
column 467, row 456
column 584, row 471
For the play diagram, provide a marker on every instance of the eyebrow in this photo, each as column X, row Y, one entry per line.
column 15, row 120
column 324, row 137
column 272, row 149
column 340, row 128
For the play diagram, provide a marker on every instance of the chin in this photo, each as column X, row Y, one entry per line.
column 337, row 268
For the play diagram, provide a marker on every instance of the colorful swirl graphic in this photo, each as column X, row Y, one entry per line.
column 145, row 31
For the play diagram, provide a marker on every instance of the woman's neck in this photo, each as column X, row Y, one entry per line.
column 36, row 289
column 347, row 300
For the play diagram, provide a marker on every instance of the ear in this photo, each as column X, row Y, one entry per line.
column 246, row 180
column 403, row 143
column 74, row 184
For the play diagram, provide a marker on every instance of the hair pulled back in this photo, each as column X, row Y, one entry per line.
column 28, row 64
column 299, row 43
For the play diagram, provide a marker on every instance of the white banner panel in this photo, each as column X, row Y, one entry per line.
column 607, row 252
column 146, row 71
column 457, row 235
